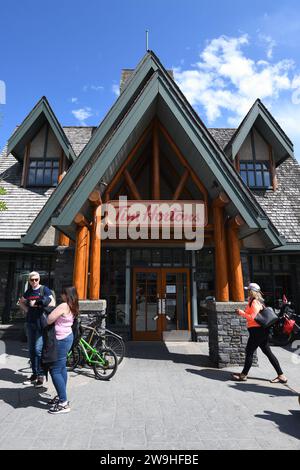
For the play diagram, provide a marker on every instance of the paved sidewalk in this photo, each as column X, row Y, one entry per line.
column 162, row 397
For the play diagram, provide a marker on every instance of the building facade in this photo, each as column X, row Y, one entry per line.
column 150, row 147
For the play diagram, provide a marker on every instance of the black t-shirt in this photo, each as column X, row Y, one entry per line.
column 34, row 313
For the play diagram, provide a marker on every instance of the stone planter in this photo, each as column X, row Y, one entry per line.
column 228, row 334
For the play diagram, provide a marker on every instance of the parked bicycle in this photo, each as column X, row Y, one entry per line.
column 286, row 311
column 108, row 338
column 90, row 351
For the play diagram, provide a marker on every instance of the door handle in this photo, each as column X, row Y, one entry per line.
column 159, row 306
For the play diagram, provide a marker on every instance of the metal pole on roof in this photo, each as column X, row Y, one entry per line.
column 147, row 40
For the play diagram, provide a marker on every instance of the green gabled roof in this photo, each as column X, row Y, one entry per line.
column 260, row 116
column 149, row 82
column 41, row 113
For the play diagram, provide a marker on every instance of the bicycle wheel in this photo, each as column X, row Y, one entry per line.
column 115, row 343
column 105, row 368
column 74, row 358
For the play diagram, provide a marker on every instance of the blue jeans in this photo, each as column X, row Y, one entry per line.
column 35, row 345
column 58, row 370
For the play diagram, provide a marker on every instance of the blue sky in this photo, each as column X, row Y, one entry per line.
column 225, row 55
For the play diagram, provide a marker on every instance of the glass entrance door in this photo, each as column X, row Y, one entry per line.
column 161, row 302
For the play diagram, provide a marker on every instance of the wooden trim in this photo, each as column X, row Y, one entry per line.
column 161, row 292
column 272, row 169
column 175, row 176
column 165, row 271
column 25, row 166
column 131, row 185
column 184, row 162
column 81, row 261
column 61, row 163
column 221, row 272
column 234, row 263
column 144, row 335
column 155, row 163
column 237, row 163
column 181, row 184
column 120, row 172
column 95, row 262
column 63, row 240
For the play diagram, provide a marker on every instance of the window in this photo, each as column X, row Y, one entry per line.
column 255, row 160
column 44, row 158
column 43, row 172
column 256, row 174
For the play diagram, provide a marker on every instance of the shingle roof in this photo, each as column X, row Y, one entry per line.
column 24, row 204
column 126, row 75
column 282, row 206
column 222, row 136
column 78, row 137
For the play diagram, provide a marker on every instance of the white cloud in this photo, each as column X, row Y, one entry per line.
column 288, row 117
column 269, row 42
column 92, row 87
column 226, row 79
column 116, row 89
column 97, row 87
column 74, row 100
column 82, row 114
column 2, row 92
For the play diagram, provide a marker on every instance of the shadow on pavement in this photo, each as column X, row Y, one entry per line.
column 281, row 391
column 288, row 424
column 23, row 398
column 156, row 350
column 14, row 348
column 9, row 375
column 220, row 375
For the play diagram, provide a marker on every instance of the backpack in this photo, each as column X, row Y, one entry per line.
column 42, row 291
column 77, row 331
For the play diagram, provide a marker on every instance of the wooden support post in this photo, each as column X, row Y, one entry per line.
column 181, row 184
column 131, row 185
column 81, row 256
column 155, row 163
column 95, row 263
column 221, row 272
column 234, row 260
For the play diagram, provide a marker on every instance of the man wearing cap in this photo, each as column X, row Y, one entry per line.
column 258, row 336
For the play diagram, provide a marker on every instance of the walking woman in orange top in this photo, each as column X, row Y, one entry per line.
column 258, row 336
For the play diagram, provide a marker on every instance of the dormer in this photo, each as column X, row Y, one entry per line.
column 258, row 147
column 42, row 147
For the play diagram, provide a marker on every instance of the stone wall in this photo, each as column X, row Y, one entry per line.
column 64, row 262
column 228, row 334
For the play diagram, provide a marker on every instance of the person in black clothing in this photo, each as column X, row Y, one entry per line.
column 32, row 303
column 258, row 336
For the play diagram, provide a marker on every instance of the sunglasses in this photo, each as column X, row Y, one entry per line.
column 34, row 280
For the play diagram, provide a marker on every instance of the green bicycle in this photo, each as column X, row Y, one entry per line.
column 103, row 360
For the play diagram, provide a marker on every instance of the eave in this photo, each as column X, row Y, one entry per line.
column 41, row 113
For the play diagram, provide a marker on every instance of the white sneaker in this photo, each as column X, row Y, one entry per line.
column 59, row 408
column 31, row 380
